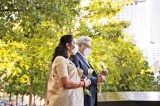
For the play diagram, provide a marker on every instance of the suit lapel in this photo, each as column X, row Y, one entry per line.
column 89, row 66
column 82, row 58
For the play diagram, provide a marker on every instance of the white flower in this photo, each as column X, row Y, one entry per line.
column 90, row 71
column 101, row 64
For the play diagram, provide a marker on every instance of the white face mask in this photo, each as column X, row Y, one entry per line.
column 87, row 52
column 75, row 50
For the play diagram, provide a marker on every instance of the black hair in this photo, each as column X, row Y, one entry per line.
column 61, row 49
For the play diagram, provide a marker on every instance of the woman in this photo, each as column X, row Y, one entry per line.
column 65, row 87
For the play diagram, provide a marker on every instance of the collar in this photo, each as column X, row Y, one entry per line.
column 81, row 54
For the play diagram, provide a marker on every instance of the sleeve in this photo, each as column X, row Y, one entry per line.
column 94, row 80
column 61, row 66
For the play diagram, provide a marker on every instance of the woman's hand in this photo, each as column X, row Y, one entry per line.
column 87, row 82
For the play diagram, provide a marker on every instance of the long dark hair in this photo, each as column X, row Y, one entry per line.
column 61, row 49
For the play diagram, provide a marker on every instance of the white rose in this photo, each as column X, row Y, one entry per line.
column 90, row 71
column 101, row 64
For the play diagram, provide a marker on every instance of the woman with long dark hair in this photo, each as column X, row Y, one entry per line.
column 65, row 87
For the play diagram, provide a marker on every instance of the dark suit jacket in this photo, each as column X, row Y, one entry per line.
column 82, row 63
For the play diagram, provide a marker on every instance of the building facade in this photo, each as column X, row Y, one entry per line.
column 144, row 16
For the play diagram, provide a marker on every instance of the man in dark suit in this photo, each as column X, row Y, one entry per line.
column 84, row 44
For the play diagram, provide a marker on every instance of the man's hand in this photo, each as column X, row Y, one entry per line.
column 101, row 79
column 104, row 72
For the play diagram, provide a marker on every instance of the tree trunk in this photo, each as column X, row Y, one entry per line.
column 22, row 99
column 31, row 89
column 10, row 95
column 16, row 99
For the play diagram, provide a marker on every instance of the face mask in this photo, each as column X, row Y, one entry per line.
column 87, row 52
column 75, row 50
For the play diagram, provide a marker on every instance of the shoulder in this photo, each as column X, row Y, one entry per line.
column 78, row 55
column 74, row 57
column 60, row 59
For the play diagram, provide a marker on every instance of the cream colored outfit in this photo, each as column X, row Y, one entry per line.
column 56, row 94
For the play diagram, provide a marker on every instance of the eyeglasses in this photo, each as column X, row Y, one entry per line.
column 88, row 46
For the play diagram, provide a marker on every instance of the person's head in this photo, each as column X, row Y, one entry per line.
column 84, row 44
column 66, row 47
